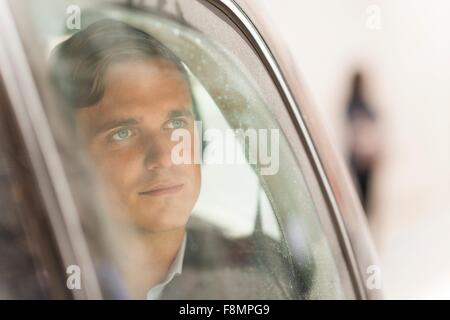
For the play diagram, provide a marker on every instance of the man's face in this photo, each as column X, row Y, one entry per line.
column 128, row 133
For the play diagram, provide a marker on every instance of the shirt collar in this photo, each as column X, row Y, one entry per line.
column 175, row 268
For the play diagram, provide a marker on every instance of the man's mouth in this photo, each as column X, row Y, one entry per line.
column 162, row 189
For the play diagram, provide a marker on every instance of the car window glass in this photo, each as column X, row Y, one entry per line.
column 199, row 182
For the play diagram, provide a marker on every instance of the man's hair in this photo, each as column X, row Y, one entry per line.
column 79, row 63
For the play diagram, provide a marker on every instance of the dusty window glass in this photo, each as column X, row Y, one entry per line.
column 203, row 190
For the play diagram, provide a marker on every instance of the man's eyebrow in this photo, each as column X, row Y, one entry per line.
column 180, row 113
column 108, row 125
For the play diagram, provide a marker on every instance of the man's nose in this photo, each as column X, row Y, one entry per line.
column 158, row 152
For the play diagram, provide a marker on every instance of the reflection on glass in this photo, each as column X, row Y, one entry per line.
column 130, row 93
column 142, row 89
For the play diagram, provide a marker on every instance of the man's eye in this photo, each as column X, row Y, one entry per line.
column 176, row 124
column 122, row 134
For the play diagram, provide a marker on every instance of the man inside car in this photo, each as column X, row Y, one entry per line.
column 130, row 93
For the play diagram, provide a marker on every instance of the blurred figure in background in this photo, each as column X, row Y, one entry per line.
column 363, row 139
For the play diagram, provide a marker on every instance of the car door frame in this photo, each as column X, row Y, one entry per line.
column 344, row 207
column 347, row 214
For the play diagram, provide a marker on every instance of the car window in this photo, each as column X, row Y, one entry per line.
column 202, row 186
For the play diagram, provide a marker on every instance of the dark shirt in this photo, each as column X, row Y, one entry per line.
column 254, row 267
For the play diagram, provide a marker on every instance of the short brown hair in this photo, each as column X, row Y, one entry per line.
column 79, row 63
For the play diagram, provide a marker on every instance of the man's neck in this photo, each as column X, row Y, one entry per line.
column 162, row 247
column 148, row 266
